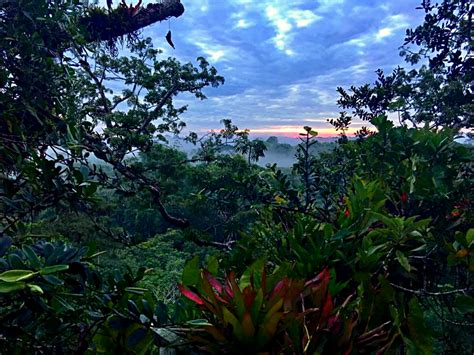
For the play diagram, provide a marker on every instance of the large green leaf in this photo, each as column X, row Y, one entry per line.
column 191, row 272
column 16, row 275
column 7, row 287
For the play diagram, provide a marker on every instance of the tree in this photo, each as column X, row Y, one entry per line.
column 439, row 93
column 58, row 109
column 59, row 117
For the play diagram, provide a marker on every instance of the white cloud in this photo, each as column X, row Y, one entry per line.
column 243, row 23
column 303, row 18
column 213, row 50
column 392, row 24
column 383, row 32
column 283, row 19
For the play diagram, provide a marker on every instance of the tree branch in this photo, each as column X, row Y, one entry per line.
column 428, row 293
column 123, row 20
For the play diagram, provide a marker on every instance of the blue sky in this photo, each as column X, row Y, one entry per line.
column 282, row 60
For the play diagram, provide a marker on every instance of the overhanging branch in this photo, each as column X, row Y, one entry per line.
column 123, row 21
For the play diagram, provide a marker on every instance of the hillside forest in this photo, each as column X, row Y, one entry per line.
column 115, row 241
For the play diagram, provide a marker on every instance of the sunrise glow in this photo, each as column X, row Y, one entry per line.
column 294, row 131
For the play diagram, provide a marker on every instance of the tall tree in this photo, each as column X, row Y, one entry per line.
column 58, row 109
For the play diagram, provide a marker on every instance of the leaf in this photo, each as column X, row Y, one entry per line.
column 5, row 243
column 403, row 260
column 255, row 270
column 32, row 257
column 7, row 287
column 136, row 290
column 237, row 328
column 212, row 264
column 257, row 305
column 420, row 334
column 247, row 326
column 136, row 337
column 190, row 295
column 470, row 237
column 268, row 329
column 52, row 269
column 35, row 288
column 464, row 304
column 53, row 280
column 462, row 253
column 16, row 275
column 214, row 283
column 191, row 272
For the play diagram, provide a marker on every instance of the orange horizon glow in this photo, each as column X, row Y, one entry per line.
column 294, row 131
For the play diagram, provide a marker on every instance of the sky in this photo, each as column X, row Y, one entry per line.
column 283, row 60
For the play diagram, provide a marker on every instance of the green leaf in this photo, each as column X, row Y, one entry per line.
column 35, row 288
column 268, row 329
column 470, row 237
column 256, row 269
column 256, row 306
column 136, row 290
column 7, row 287
column 53, row 280
column 420, row 334
column 191, row 272
column 32, row 257
column 212, row 265
column 237, row 327
column 52, row 269
column 403, row 260
column 464, row 304
column 16, row 275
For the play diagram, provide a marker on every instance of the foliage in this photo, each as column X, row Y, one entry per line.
column 50, row 126
column 163, row 257
column 365, row 248
column 54, row 300
column 264, row 314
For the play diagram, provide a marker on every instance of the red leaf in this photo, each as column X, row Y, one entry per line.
column 323, row 277
column 249, row 297
column 214, row 283
column 190, row 295
column 328, row 307
column 279, row 286
column 228, row 285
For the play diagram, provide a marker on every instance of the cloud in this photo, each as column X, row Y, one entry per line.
column 284, row 19
column 393, row 23
column 283, row 59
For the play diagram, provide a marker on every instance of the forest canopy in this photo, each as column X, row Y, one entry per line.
column 112, row 240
